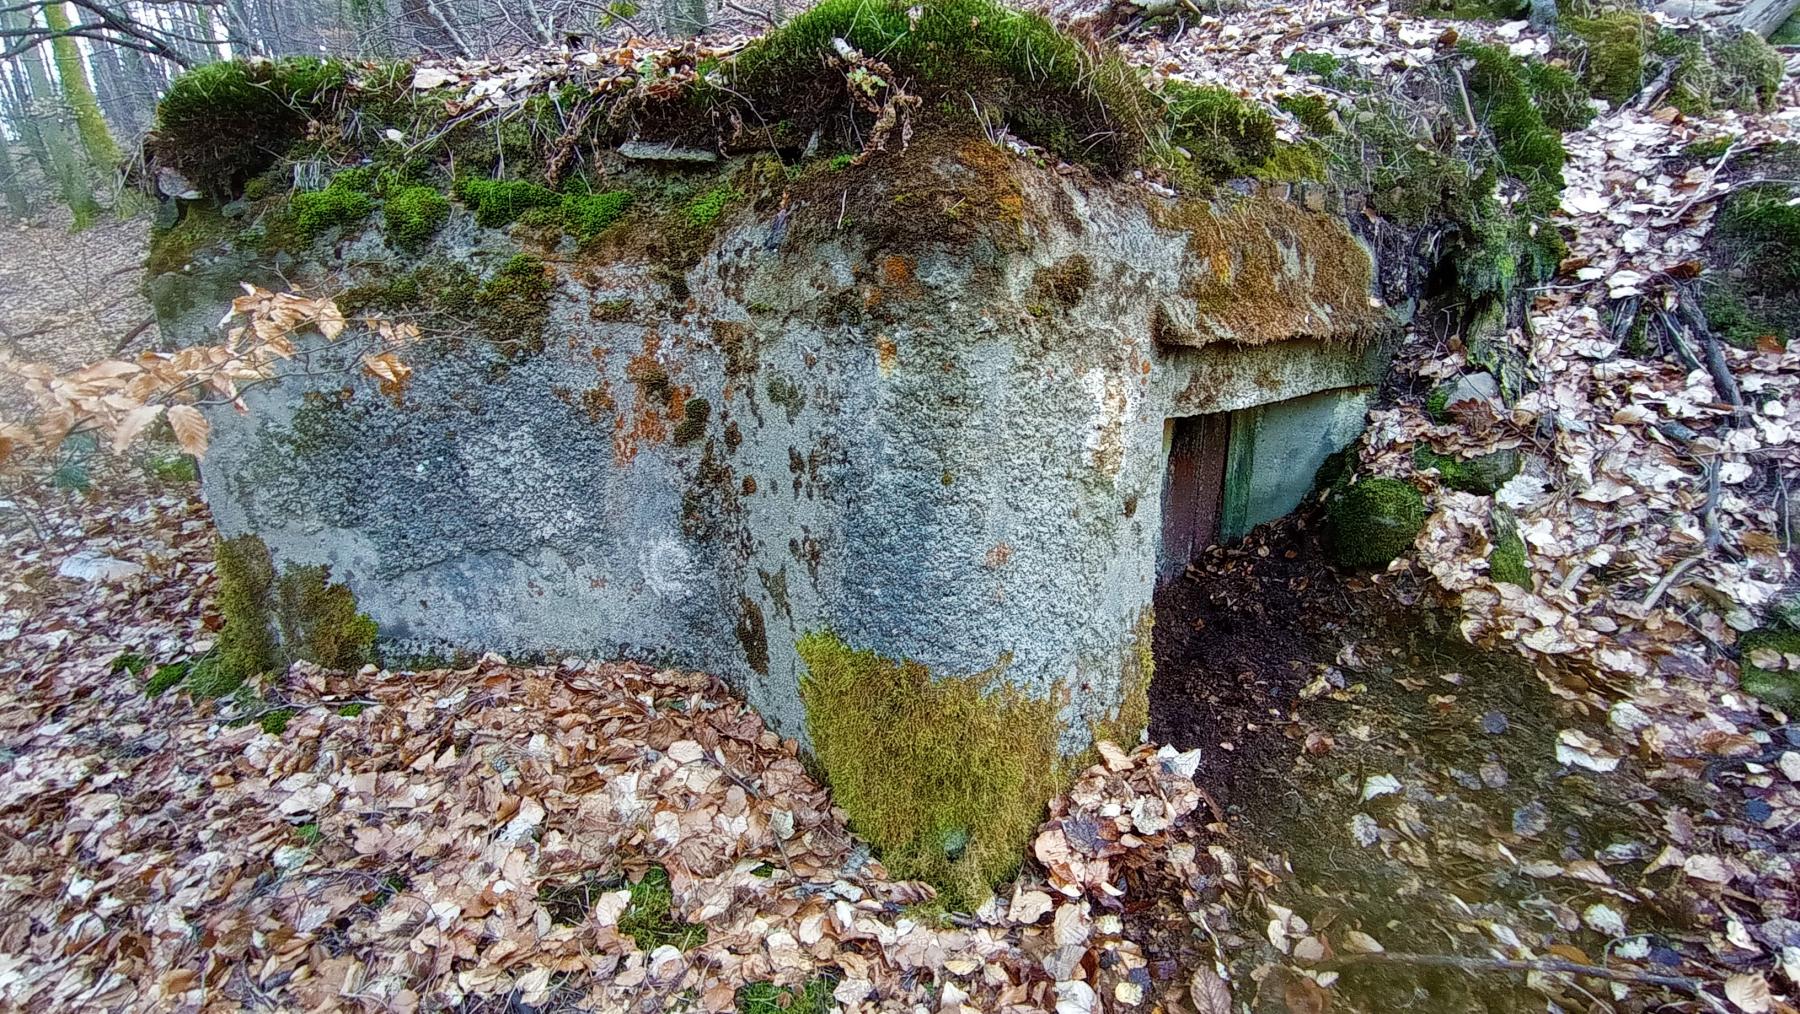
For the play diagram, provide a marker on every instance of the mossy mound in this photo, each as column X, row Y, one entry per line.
column 274, row 619
column 413, row 215
column 1507, row 560
column 1751, row 292
column 1620, row 51
column 1731, row 70
column 1482, row 474
column 1615, row 46
column 1080, row 101
column 1777, row 687
column 1214, row 134
column 338, row 206
column 1373, row 521
column 222, row 123
column 947, row 776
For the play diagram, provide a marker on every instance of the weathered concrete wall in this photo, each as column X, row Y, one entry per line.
column 948, row 451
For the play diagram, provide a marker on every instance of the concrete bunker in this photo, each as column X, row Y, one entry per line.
column 880, row 436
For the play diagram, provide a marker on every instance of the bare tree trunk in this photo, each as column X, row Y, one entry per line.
column 78, row 94
column 66, row 169
column 18, row 113
column 18, row 199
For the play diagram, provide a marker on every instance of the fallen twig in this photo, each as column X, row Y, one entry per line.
column 1655, row 88
column 1668, row 580
column 1713, row 174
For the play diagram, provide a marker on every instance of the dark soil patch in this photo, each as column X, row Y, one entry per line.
column 1237, row 637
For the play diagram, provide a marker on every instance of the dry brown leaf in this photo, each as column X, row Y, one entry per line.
column 191, row 429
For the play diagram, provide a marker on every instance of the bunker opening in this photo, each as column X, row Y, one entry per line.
column 1239, row 499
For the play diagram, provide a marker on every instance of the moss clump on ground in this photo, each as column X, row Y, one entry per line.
column 704, row 210
column 1313, row 112
column 275, row 723
column 1507, row 562
column 585, row 216
column 1501, row 86
column 319, row 622
column 1437, row 403
column 246, row 645
column 1373, row 521
column 1708, row 149
column 1616, row 45
column 209, row 679
column 1559, row 96
column 947, row 776
column 222, row 123
column 1213, row 133
column 648, row 919
column 412, row 215
column 1481, row 475
column 1751, row 294
column 513, row 307
column 165, row 677
column 1708, row 71
column 1731, row 70
column 1731, row 317
column 767, row 998
column 1502, row 247
column 1324, row 66
column 1777, row 687
column 272, row 620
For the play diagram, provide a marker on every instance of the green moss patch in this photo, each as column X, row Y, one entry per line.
column 413, row 215
column 1313, row 111
column 1616, row 45
column 585, row 216
column 648, row 918
column 1507, row 562
column 1731, row 70
column 947, row 776
column 1481, row 475
column 499, row 203
column 199, row 227
column 1213, row 134
column 1778, row 687
column 275, row 723
column 272, row 620
column 1751, row 291
column 165, row 678
column 340, row 206
column 704, row 210
column 1324, row 66
column 1373, row 521
column 814, row 997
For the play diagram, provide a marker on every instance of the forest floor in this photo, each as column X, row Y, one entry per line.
column 1375, row 815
